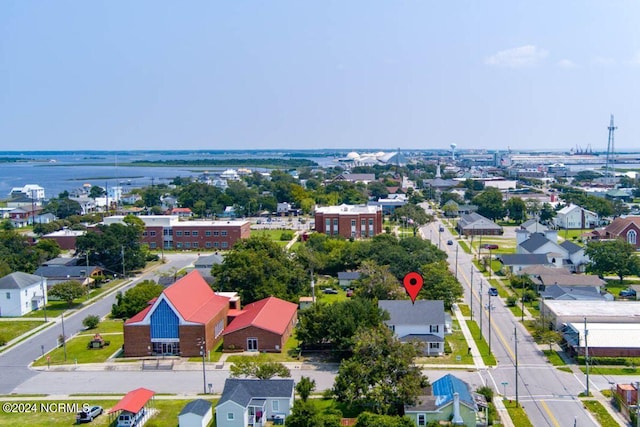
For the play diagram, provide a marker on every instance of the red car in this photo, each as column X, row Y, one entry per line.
column 490, row 246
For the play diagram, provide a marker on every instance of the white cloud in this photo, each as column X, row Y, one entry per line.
column 566, row 63
column 635, row 60
column 523, row 56
column 601, row 60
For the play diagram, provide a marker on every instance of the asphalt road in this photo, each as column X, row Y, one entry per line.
column 14, row 362
column 548, row 395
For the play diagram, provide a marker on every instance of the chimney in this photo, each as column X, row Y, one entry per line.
column 521, row 236
column 457, row 418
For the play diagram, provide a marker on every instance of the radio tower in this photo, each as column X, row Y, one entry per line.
column 609, row 163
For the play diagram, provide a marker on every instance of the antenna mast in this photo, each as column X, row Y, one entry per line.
column 609, row 164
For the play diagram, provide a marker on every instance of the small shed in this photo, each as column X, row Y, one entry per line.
column 197, row 413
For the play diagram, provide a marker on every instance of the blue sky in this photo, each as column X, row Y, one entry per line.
column 331, row 74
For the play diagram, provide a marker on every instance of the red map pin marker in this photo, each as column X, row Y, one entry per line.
column 413, row 283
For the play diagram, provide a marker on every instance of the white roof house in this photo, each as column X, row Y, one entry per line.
column 563, row 311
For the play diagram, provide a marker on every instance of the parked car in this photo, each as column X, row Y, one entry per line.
column 86, row 416
column 349, row 292
column 449, row 242
column 627, row 293
column 441, row 229
column 489, row 246
column 493, row 292
column 329, row 291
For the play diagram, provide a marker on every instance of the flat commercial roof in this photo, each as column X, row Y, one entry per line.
column 594, row 309
column 613, row 335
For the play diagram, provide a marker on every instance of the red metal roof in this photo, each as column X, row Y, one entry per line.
column 271, row 314
column 133, row 401
column 194, row 299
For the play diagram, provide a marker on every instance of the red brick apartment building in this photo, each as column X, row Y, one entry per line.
column 168, row 232
column 357, row 221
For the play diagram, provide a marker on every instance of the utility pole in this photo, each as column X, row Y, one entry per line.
column 64, row 338
column 203, row 348
column 489, row 305
column 457, row 262
column 471, row 292
column 515, row 336
column 481, row 306
column 522, row 318
column 124, row 274
column 586, row 353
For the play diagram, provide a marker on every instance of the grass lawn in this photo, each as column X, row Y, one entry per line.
column 599, row 412
column 288, row 354
column 610, row 370
column 483, row 347
column 517, row 312
column 554, row 357
column 572, row 235
column 518, row 415
column 502, row 292
column 106, row 326
column 458, row 346
column 465, row 310
column 272, row 234
column 329, row 298
column 54, row 309
column 464, row 246
column 12, row 329
column 77, row 350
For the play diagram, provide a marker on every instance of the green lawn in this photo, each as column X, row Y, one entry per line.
column 12, row 329
column 554, row 357
column 465, row 310
column 271, row 234
column 288, row 354
column 517, row 414
column 54, row 309
column 610, row 370
column 572, row 235
column 483, row 347
column 464, row 246
column 77, row 350
column 458, row 346
column 600, row 413
column 106, row 326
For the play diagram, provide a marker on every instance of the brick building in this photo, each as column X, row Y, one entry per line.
column 348, row 221
column 168, row 232
column 176, row 322
column 625, row 228
column 264, row 325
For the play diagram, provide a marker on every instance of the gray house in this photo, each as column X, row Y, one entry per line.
column 474, row 224
column 249, row 402
column 346, row 277
column 515, row 263
column 423, row 321
column 581, row 293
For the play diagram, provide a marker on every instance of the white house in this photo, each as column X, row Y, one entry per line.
column 575, row 217
column 33, row 191
column 254, row 402
column 566, row 254
column 197, row 413
column 423, row 321
column 21, row 293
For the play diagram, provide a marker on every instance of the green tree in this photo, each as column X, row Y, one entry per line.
column 413, row 214
column 367, row 419
column 612, row 257
column 334, row 326
column 490, row 203
column 377, row 282
column 135, row 299
column 63, row 206
column 547, row 213
column 381, row 375
column 305, row 387
column 516, row 209
column 112, row 245
column 307, row 414
column 257, row 268
column 440, row 284
column 261, row 370
column 67, row 291
column 48, row 248
column 96, row 191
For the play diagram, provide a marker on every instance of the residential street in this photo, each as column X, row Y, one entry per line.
column 547, row 394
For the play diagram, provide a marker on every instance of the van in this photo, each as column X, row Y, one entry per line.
column 129, row 419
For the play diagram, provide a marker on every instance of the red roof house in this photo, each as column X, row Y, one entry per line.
column 627, row 229
column 264, row 325
column 184, row 316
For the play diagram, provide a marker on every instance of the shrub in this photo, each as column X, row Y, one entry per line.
column 91, row 322
column 512, row 300
column 286, row 236
column 486, row 391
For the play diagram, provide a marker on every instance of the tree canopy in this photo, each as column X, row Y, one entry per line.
column 490, row 203
column 67, row 291
column 612, row 257
column 135, row 299
column 260, row 370
column 440, row 284
column 380, row 376
column 257, row 268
